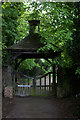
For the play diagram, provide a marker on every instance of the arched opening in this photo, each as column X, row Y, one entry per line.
column 28, row 49
column 33, row 77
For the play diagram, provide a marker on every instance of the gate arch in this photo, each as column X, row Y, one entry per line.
column 28, row 47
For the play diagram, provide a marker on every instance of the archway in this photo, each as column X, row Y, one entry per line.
column 28, row 47
column 33, row 82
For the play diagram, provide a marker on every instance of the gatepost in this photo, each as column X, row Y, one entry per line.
column 60, row 91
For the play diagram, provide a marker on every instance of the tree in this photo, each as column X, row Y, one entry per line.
column 74, row 48
column 56, row 26
column 34, row 67
column 10, row 13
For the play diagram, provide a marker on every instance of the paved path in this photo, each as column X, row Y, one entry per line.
column 39, row 107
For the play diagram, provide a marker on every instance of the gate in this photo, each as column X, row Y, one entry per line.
column 30, row 86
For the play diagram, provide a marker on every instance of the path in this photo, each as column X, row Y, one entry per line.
column 40, row 107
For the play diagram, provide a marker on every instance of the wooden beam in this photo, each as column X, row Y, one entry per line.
column 17, row 55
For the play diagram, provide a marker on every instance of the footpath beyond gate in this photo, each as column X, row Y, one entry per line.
column 30, row 86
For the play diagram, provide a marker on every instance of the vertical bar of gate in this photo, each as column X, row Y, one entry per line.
column 49, row 82
column 34, row 86
column 40, row 86
column 45, row 84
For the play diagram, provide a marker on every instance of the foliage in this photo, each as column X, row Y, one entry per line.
column 34, row 67
column 74, row 48
column 10, row 13
column 28, row 64
column 57, row 26
column 78, row 70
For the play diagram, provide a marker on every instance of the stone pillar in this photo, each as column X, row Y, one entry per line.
column 8, row 90
column 60, row 91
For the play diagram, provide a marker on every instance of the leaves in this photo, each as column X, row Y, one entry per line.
column 10, row 14
column 34, row 67
column 56, row 26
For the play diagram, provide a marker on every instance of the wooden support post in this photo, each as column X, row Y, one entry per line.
column 60, row 76
column 54, row 81
column 15, row 71
column 34, row 86
column 60, row 91
column 54, row 75
column 16, row 74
